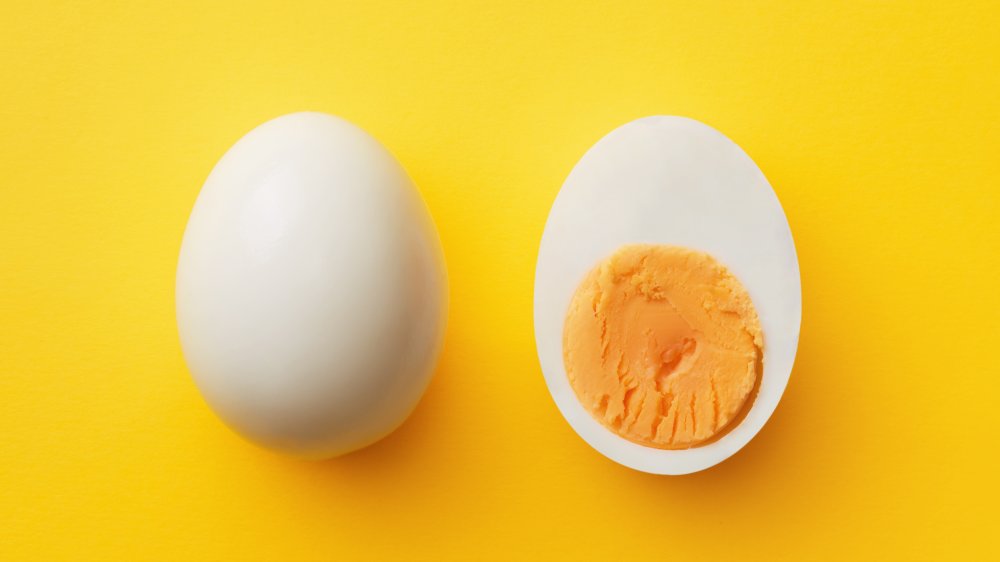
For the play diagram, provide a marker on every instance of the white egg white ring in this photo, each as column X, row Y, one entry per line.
column 669, row 180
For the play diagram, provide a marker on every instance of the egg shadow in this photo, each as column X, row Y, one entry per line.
column 768, row 461
column 398, row 458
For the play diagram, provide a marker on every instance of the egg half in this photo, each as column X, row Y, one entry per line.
column 311, row 288
column 680, row 184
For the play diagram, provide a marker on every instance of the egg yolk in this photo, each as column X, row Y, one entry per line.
column 663, row 346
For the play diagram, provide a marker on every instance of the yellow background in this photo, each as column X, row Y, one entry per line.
column 877, row 123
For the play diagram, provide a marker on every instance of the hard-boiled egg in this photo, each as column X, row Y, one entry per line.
column 311, row 289
column 667, row 297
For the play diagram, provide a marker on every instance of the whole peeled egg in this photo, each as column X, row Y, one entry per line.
column 668, row 186
column 311, row 288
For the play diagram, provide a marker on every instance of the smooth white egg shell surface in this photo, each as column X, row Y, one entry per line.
column 669, row 180
column 311, row 289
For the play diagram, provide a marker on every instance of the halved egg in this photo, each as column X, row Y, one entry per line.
column 667, row 297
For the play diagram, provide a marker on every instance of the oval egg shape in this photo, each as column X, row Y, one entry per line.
column 311, row 290
column 672, row 181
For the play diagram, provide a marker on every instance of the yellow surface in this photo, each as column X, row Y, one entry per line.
column 878, row 125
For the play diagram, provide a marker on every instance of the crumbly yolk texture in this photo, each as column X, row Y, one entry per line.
column 663, row 346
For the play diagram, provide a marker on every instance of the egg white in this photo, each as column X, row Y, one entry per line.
column 311, row 288
column 669, row 180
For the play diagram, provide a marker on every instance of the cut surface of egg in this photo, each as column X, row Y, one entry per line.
column 311, row 290
column 667, row 297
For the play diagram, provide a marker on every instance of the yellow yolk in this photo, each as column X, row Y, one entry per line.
column 663, row 346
